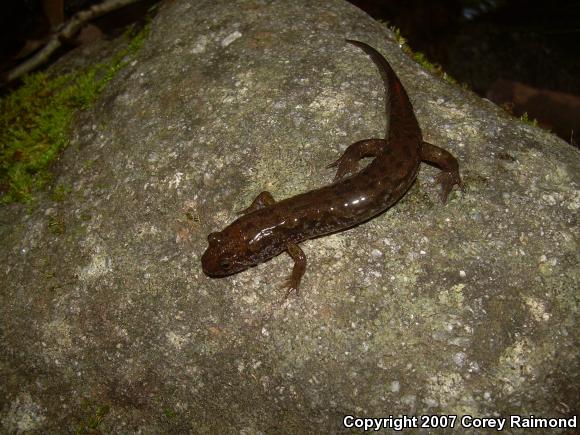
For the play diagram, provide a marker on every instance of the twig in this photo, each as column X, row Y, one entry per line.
column 66, row 32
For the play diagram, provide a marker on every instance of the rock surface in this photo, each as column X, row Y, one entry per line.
column 108, row 323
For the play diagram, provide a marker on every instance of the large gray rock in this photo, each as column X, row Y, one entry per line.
column 108, row 322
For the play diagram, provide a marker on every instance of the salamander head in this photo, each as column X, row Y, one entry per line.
column 225, row 255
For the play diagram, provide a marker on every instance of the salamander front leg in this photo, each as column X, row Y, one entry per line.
column 264, row 199
column 348, row 162
column 293, row 281
column 442, row 159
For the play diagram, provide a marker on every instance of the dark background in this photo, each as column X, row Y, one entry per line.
column 537, row 42
column 522, row 54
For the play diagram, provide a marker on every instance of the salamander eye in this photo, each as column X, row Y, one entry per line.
column 225, row 264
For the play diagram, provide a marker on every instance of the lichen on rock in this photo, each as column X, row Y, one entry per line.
column 110, row 324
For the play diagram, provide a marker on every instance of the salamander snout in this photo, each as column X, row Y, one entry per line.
column 211, row 263
column 219, row 259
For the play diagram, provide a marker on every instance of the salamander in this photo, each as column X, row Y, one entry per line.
column 269, row 227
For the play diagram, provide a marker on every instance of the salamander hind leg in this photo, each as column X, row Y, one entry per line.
column 292, row 283
column 264, row 199
column 445, row 161
column 348, row 162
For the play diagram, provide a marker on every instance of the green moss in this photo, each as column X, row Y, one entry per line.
column 35, row 121
column 60, row 192
column 169, row 413
column 526, row 119
column 56, row 225
column 433, row 68
column 88, row 163
column 399, row 37
column 95, row 415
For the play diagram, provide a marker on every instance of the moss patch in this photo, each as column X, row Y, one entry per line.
column 35, row 120
column 420, row 58
column 527, row 120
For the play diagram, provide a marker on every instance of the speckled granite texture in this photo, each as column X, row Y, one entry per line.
column 107, row 322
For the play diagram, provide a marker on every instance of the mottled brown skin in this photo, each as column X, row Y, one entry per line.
column 267, row 227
